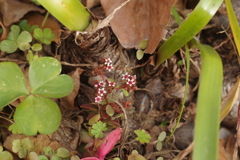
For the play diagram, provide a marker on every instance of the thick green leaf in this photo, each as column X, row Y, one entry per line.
column 36, row 114
column 72, row 13
column 208, row 106
column 45, row 79
column 12, row 83
column 63, row 152
column 200, row 16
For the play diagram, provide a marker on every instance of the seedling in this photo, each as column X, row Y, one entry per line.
column 143, row 136
column 44, row 36
column 22, row 147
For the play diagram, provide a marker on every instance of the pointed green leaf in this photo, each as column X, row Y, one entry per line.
column 36, row 114
column 208, row 105
column 45, row 79
column 12, row 83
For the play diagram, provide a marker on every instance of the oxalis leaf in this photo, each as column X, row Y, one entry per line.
column 36, row 114
column 12, row 83
column 45, row 79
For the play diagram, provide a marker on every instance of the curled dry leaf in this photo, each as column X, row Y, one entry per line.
column 14, row 10
column 139, row 20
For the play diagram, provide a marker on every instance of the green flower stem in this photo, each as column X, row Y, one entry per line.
column 71, row 13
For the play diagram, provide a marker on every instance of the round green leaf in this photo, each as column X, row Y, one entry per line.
column 45, row 79
column 48, row 151
column 47, row 33
column 24, row 46
column 162, row 136
column 37, row 33
column 110, row 110
column 42, row 157
column 139, row 54
column 143, row 44
column 24, row 37
column 6, row 156
column 160, row 158
column 37, row 47
column 63, row 152
column 13, row 34
column 159, row 145
column 12, row 83
column 36, row 114
column 55, row 157
column 33, row 156
column 8, row 46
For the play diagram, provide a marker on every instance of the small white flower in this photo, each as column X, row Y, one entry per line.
column 101, row 91
column 125, row 76
column 111, row 83
column 108, row 61
column 101, row 83
column 98, row 99
column 130, row 82
column 109, row 67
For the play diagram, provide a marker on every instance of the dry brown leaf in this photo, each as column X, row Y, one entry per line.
column 35, row 18
column 139, row 20
column 68, row 101
column 14, row 10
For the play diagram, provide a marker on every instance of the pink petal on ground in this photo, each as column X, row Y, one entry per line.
column 110, row 140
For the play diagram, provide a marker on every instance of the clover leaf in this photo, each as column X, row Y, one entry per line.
column 12, row 83
column 45, row 79
column 22, row 146
column 15, row 40
column 143, row 136
column 36, row 114
column 44, row 36
column 5, row 155
column 98, row 128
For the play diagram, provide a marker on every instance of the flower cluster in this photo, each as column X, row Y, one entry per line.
column 102, row 89
column 108, row 63
column 131, row 80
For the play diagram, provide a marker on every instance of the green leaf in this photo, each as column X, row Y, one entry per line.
column 143, row 136
column 139, row 54
column 63, row 152
column 12, row 83
column 111, row 98
column 33, row 156
column 37, row 47
column 194, row 23
column 159, row 146
column 160, row 158
column 16, row 145
column 45, row 79
column 162, row 136
column 208, row 105
column 94, row 119
column 98, row 128
column 110, row 110
column 5, row 155
column 44, row 36
column 23, row 40
column 21, row 147
column 55, row 157
column 8, row 46
column 13, row 34
column 42, row 157
column 143, row 44
column 48, row 151
column 36, row 114
column 125, row 93
column 27, row 144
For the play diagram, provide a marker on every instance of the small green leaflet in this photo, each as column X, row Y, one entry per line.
column 98, row 128
column 143, row 136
